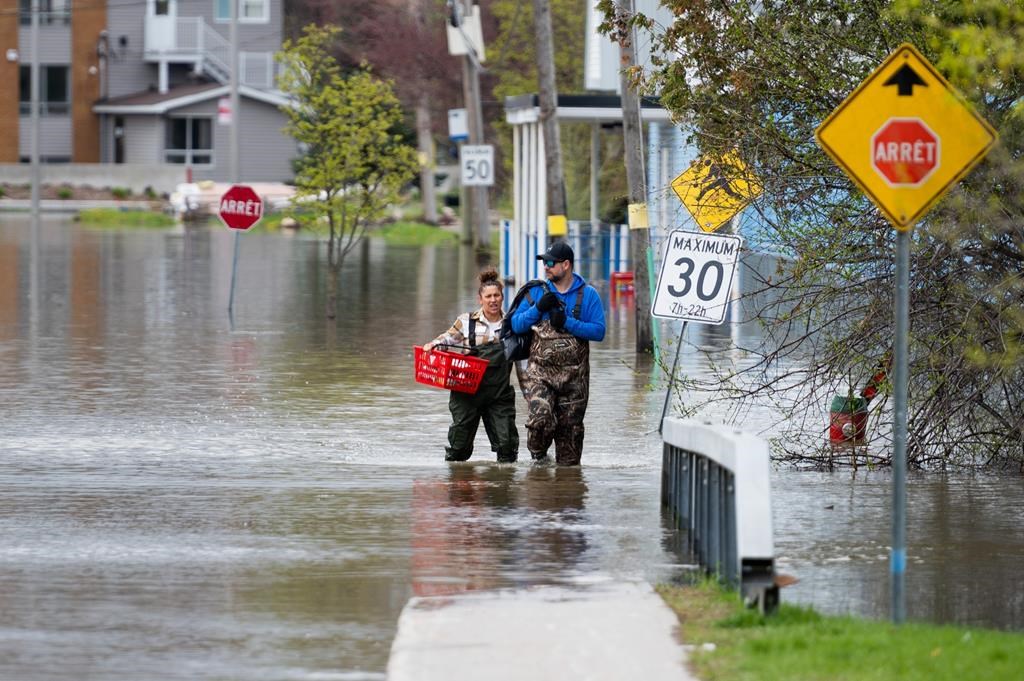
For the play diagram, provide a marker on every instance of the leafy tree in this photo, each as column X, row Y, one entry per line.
column 405, row 40
column 513, row 61
column 759, row 77
column 354, row 164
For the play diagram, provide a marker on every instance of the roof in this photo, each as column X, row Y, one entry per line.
column 585, row 108
column 152, row 102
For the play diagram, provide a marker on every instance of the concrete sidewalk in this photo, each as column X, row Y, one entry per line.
column 608, row 631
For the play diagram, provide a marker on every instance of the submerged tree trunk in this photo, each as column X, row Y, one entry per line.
column 333, row 266
column 332, row 292
column 425, row 142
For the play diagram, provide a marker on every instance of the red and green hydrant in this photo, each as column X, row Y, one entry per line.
column 848, row 416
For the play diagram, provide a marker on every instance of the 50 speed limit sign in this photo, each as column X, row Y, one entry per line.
column 477, row 162
column 696, row 276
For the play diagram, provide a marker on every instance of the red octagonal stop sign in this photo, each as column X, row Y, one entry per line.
column 240, row 207
column 905, row 151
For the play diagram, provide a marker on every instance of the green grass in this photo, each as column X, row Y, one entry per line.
column 799, row 644
column 406, row 233
column 113, row 218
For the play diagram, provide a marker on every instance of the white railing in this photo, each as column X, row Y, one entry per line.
column 715, row 486
column 216, row 50
column 257, row 69
column 195, row 40
column 188, row 35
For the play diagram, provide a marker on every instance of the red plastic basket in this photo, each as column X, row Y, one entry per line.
column 449, row 370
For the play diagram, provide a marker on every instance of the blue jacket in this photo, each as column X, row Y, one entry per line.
column 589, row 326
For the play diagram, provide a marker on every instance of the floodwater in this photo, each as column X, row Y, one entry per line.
column 183, row 498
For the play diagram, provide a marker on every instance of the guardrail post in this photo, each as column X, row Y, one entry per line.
column 714, row 520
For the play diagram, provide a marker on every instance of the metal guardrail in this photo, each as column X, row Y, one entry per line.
column 716, row 489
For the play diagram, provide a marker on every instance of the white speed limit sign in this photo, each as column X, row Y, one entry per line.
column 696, row 276
column 477, row 165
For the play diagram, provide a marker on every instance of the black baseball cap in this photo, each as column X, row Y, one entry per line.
column 558, row 252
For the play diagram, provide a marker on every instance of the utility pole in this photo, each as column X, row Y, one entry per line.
column 548, row 107
column 424, row 133
column 478, row 210
column 34, row 103
column 234, row 97
column 639, row 237
column 235, row 146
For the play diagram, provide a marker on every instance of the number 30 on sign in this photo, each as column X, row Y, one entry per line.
column 695, row 283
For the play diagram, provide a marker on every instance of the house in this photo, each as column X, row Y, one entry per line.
column 145, row 83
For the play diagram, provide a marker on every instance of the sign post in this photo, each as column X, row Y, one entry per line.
column 714, row 190
column 904, row 136
column 239, row 209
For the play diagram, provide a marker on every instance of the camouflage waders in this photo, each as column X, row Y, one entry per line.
column 557, row 389
column 494, row 402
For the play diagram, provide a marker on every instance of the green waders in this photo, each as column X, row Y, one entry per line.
column 494, row 402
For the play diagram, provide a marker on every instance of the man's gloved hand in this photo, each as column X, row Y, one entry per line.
column 557, row 318
column 547, row 302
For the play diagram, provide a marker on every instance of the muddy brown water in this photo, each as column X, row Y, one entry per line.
column 184, row 499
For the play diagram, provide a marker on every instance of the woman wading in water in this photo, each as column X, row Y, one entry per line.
column 476, row 333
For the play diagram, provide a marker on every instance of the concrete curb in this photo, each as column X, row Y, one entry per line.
column 616, row 630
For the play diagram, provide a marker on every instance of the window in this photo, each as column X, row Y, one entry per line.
column 251, row 11
column 54, row 90
column 162, row 8
column 189, row 141
column 50, row 12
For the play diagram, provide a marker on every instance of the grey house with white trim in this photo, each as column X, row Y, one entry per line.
column 169, row 68
column 147, row 82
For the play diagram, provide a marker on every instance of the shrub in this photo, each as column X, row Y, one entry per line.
column 121, row 192
column 64, row 193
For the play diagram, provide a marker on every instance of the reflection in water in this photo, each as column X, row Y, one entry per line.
column 490, row 526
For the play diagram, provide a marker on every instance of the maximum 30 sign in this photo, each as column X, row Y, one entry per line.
column 477, row 162
column 696, row 276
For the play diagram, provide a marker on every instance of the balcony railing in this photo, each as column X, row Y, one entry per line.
column 196, row 41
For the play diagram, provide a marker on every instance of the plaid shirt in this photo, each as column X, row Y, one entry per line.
column 486, row 332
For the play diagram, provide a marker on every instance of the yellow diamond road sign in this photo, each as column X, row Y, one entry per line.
column 714, row 190
column 905, row 136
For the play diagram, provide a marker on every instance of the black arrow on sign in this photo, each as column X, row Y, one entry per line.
column 905, row 79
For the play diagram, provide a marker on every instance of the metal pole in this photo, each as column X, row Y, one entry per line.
column 233, row 85
column 595, row 170
column 234, row 146
column 898, row 560
column 234, row 270
column 672, row 376
column 478, row 209
column 639, row 238
column 34, row 103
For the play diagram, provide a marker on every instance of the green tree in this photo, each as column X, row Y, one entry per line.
column 759, row 77
column 355, row 162
column 513, row 61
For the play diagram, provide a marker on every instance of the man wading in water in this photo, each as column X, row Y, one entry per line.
column 564, row 320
